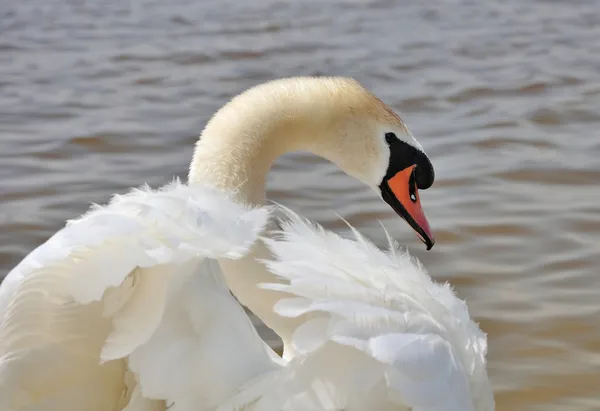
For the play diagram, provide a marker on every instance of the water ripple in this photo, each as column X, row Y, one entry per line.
column 100, row 96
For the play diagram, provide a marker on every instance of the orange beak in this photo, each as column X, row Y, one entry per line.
column 400, row 191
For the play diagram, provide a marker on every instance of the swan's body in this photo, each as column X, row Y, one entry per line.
column 126, row 308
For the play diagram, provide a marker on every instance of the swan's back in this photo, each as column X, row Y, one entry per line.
column 380, row 334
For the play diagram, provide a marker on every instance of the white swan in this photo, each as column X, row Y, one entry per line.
column 134, row 285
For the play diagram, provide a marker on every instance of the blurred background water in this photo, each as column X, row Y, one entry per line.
column 98, row 96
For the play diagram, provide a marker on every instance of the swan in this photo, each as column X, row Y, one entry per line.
column 129, row 307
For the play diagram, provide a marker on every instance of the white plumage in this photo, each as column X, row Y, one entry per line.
column 126, row 305
column 126, row 309
column 380, row 333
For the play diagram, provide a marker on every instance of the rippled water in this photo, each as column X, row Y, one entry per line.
column 505, row 96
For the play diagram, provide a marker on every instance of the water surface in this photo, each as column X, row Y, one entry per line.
column 96, row 97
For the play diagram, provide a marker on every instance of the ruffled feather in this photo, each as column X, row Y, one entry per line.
column 130, row 287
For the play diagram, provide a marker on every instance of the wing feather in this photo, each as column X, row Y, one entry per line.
column 121, row 309
column 380, row 333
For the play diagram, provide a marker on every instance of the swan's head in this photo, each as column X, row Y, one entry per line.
column 400, row 169
column 408, row 171
column 333, row 117
column 370, row 142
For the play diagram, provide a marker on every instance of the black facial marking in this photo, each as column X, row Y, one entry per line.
column 390, row 138
column 403, row 155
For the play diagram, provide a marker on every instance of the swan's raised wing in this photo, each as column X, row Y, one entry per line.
column 379, row 334
column 124, row 308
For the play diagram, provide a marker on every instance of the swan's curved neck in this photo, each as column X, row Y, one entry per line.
column 241, row 142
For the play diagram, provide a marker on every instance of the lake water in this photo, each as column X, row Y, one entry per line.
column 96, row 97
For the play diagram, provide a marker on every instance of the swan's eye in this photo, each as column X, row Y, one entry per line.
column 413, row 198
column 390, row 138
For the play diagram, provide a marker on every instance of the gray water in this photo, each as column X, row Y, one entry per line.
column 98, row 96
